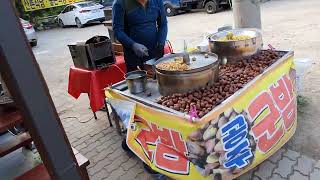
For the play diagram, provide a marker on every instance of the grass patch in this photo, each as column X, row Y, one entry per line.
column 302, row 102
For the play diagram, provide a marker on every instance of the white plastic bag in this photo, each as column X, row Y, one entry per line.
column 302, row 66
column 124, row 109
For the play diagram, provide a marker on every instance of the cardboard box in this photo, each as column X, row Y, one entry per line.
column 117, row 48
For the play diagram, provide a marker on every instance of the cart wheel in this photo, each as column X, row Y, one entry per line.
column 125, row 146
column 170, row 11
column 149, row 169
column 211, row 7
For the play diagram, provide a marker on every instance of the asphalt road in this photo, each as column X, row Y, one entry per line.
column 287, row 24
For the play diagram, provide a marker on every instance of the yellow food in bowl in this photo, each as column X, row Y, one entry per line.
column 176, row 65
column 231, row 37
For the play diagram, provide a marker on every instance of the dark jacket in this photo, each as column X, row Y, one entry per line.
column 133, row 23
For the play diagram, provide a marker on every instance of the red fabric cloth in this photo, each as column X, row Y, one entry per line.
column 168, row 48
column 93, row 82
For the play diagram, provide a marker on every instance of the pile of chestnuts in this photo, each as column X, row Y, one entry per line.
column 232, row 77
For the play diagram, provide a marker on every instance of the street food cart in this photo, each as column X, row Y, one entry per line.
column 219, row 128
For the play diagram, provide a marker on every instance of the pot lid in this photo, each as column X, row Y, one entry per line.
column 198, row 61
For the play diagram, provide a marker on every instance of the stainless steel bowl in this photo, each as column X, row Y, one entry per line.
column 136, row 81
column 202, row 72
column 232, row 49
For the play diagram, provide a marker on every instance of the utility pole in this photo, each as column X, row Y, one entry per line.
column 246, row 13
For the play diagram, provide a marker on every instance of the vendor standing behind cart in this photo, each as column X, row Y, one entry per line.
column 141, row 27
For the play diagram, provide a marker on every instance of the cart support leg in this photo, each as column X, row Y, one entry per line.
column 108, row 114
column 95, row 115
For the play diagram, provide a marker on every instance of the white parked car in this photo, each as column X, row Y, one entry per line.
column 81, row 13
column 30, row 32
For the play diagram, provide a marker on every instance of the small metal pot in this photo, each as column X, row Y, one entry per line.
column 136, row 81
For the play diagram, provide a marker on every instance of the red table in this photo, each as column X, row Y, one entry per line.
column 93, row 82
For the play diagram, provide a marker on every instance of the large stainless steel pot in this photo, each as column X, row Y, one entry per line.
column 136, row 81
column 231, row 50
column 203, row 71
